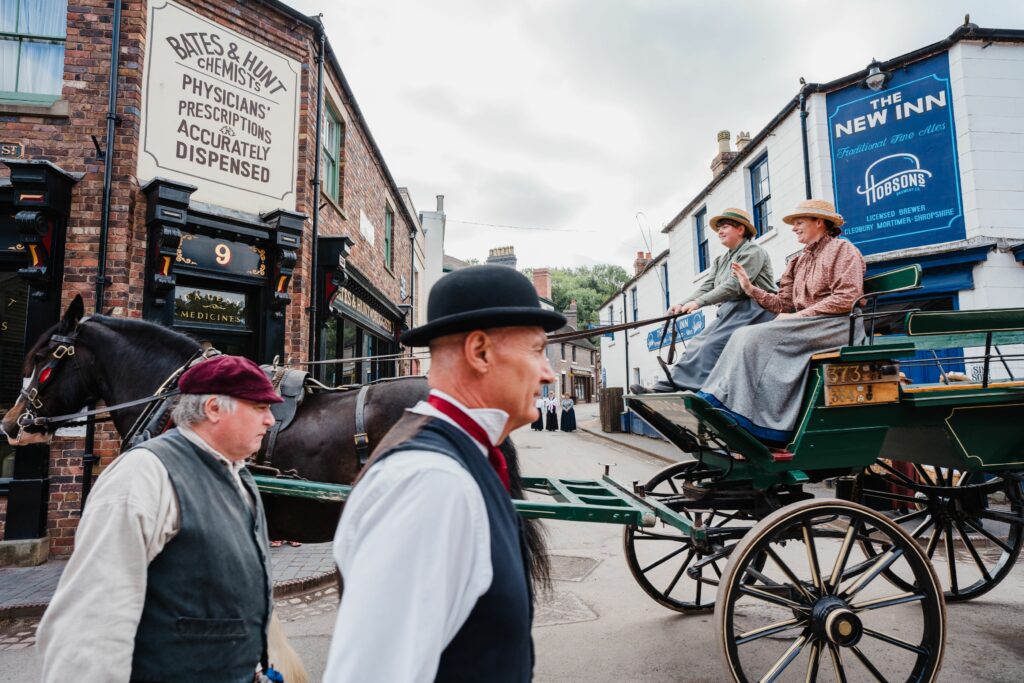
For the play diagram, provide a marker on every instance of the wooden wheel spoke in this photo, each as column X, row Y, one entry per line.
column 896, row 473
column 974, row 552
column 1005, row 518
column 892, row 640
column 837, row 663
column 888, row 601
column 768, row 630
column 989, row 535
column 923, row 473
column 813, row 659
column 934, row 540
column 642, row 535
column 812, row 557
column 922, row 528
column 700, row 587
column 884, row 561
column 774, row 599
column 668, row 557
column 789, row 574
column 868, row 665
column 889, row 495
column 672, row 485
column 954, row 585
column 842, row 558
column 910, row 517
column 679, row 574
column 785, row 660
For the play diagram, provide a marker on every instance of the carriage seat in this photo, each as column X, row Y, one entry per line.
column 965, row 322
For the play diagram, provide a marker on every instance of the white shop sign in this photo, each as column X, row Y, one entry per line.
column 219, row 111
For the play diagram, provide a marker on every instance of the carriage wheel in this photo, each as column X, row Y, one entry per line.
column 818, row 608
column 668, row 565
column 971, row 526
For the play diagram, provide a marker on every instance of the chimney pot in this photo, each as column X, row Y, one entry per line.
column 440, row 203
column 723, row 141
column 742, row 140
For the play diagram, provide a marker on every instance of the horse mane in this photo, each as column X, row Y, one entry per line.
column 147, row 336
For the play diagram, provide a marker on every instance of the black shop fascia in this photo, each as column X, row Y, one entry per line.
column 356, row 320
column 219, row 275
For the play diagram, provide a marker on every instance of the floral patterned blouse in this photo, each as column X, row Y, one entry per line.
column 826, row 278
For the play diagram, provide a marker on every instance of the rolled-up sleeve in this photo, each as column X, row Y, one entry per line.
column 846, row 283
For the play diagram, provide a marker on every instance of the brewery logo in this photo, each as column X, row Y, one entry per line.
column 893, row 175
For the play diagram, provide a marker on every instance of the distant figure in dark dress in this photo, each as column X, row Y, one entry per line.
column 541, row 405
column 551, row 414
column 568, row 418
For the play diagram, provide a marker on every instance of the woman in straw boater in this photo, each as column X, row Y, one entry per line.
column 736, row 232
column 760, row 377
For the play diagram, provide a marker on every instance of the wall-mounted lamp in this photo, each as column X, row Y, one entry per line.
column 876, row 78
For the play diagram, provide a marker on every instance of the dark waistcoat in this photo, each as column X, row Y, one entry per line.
column 208, row 593
column 494, row 644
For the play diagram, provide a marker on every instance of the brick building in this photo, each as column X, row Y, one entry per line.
column 212, row 202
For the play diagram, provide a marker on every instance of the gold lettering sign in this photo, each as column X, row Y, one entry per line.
column 350, row 300
column 208, row 306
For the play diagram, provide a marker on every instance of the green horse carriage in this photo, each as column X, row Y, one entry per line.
column 927, row 505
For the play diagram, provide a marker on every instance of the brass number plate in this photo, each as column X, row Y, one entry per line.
column 848, row 384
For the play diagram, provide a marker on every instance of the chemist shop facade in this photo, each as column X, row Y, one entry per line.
column 213, row 221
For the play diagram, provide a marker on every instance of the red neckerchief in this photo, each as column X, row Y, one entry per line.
column 473, row 428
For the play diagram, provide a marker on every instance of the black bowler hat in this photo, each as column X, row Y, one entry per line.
column 478, row 298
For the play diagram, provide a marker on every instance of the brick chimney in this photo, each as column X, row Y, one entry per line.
column 742, row 140
column 571, row 314
column 542, row 282
column 503, row 256
column 725, row 154
column 641, row 261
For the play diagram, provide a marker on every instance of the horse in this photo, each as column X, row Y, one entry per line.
column 119, row 360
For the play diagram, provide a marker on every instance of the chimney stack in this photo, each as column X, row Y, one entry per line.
column 641, row 261
column 503, row 256
column 571, row 314
column 542, row 282
column 440, row 203
column 725, row 154
column 742, row 140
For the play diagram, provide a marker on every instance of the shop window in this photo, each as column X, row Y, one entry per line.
column 760, row 192
column 700, row 238
column 32, row 36
column 389, row 238
column 333, row 134
column 194, row 305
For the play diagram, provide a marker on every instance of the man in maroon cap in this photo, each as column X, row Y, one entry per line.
column 171, row 569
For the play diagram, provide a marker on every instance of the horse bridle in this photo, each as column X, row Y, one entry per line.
column 65, row 348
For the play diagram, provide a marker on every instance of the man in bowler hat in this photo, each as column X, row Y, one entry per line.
column 430, row 546
column 170, row 576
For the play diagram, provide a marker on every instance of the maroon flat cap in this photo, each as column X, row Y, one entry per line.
column 229, row 376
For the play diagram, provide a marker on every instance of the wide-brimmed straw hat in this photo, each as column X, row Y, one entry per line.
column 816, row 208
column 737, row 215
column 478, row 298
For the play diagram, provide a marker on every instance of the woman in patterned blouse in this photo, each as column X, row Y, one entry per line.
column 760, row 377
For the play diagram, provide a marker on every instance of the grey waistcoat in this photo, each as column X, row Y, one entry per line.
column 208, row 593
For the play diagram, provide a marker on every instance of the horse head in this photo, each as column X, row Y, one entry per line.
column 53, row 383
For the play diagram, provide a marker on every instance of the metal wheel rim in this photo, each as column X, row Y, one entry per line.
column 823, row 656
column 924, row 528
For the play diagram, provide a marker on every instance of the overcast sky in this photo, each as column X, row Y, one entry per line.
column 565, row 118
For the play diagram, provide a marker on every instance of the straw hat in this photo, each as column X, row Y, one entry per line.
column 739, row 216
column 816, row 208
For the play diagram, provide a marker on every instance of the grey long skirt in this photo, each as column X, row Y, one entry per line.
column 703, row 350
column 760, row 377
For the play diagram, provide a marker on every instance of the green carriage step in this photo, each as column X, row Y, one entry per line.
column 965, row 322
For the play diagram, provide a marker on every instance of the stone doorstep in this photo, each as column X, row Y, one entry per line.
column 30, row 552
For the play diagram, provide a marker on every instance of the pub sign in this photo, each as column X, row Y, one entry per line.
column 894, row 160
column 220, row 111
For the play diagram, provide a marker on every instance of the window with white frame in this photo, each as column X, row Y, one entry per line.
column 331, row 142
column 761, row 194
column 634, row 304
column 32, row 37
column 700, row 239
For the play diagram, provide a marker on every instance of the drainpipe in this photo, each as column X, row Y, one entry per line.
column 803, row 134
column 89, row 458
column 315, row 284
column 625, row 337
column 412, row 287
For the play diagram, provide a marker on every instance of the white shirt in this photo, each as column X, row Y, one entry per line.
column 88, row 631
column 414, row 550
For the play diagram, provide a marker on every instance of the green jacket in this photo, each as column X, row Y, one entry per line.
column 721, row 285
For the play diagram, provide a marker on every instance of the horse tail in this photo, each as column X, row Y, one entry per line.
column 537, row 559
column 282, row 656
